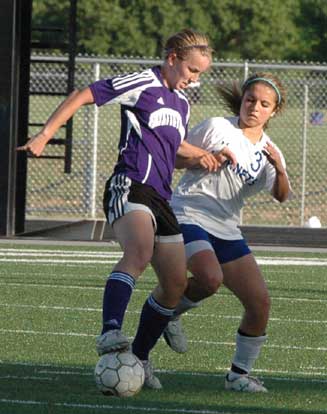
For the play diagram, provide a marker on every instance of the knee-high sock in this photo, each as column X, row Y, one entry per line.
column 154, row 319
column 117, row 293
column 184, row 305
column 247, row 351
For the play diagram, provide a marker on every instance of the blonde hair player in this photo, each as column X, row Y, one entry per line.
column 155, row 114
column 208, row 205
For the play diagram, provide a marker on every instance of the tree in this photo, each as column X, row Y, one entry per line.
column 239, row 29
column 247, row 29
column 313, row 19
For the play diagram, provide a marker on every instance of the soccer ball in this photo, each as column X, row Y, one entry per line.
column 119, row 373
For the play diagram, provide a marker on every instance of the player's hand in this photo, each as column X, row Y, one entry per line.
column 225, row 155
column 209, row 162
column 35, row 145
column 273, row 156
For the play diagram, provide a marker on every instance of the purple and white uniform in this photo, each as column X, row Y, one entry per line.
column 154, row 122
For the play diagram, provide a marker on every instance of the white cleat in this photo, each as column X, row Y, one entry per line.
column 244, row 383
column 175, row 337
column 111, row 341
column 150, row 380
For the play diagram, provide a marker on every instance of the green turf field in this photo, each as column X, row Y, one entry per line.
column 50, row 299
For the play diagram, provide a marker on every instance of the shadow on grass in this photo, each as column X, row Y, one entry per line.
column 53, row 389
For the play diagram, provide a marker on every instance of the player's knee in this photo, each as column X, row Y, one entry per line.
column 260, row 307
column 265, row 303
column 180, row 284
column 139, row 259
column 142, row 261
column 211, row 283
column 173, row 290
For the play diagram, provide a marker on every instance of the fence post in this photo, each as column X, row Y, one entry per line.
column 94, row 166
column 304, row 150
column 245, row 75
column 246, row 70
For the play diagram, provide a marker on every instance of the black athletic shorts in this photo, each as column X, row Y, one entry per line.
column 123, row 195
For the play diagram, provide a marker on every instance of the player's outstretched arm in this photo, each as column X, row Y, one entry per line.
column 281, row 188
column 191, row 156
column 35, row 145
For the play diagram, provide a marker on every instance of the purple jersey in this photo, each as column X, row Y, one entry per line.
column 153, row 124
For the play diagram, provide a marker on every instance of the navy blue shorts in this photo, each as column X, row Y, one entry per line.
column 197, row 239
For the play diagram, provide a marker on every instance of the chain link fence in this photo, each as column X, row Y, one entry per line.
column 300, row 132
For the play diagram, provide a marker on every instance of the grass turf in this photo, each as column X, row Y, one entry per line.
column 51, row 301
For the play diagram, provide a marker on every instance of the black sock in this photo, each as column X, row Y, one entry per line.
column 238, row 370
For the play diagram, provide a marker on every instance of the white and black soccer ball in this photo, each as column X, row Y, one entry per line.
column 119, row 373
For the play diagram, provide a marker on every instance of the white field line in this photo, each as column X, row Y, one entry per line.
column 48, row 274
column 47, row 368
column 24, row 377
column 85, row 288
column 267, row 272
column 122, row 408
column 54, row 274
column 61, row 308
column 291, row 262
column 220, row 373
column 318, row 283
column 12, row 255
column 223, row 371
column 51, row 260
column 56, row 261
column 71, row 253
column 192, row 315
column 48, row 285
column 144, row 277
column 213, row 343
column 118, row 253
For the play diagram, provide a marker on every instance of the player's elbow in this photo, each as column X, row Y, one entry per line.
column 179, row 163
column 281, row 197
column 81, row 96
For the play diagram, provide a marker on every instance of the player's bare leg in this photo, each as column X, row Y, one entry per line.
column 137, row 249
column 169, row 264
column 205, row 282
column 243, row 277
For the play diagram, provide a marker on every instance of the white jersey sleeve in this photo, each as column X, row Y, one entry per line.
column 209, row 134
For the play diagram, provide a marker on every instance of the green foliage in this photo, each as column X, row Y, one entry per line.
column 241, row 29
column 313, row 17
column 247, row 29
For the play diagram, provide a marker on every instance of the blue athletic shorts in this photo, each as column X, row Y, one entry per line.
column 197, row 239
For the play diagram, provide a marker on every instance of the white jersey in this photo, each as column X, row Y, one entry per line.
column 214, row 200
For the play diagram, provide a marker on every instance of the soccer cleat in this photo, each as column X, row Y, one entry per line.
column 175, row 337
column 244, row 383
column 150, row 380
column 111, row 341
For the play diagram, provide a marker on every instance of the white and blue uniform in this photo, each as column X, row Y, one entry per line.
column 214, row 200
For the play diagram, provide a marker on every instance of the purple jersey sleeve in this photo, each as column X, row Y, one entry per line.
column 118, row 89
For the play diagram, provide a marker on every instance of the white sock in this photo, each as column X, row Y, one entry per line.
column 184, row 305
column 247, row 351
